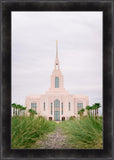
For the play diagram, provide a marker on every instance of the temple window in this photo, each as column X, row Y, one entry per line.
column 79, row 106
column 44, row 106
column 56, row 82
column 34, row 106
column 69, row 106
column 51, row 108
column 62, row 108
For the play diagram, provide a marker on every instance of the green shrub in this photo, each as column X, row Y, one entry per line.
column 100, row 117
column 25, row 131
column 84, row 133
column 32, row 112
column 72, row 118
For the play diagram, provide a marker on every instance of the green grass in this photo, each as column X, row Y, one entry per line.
column 84, row 133
column 25, row 131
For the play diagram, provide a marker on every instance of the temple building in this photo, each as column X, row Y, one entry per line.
column 56, row 104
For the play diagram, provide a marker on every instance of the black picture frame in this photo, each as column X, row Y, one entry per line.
column 51, row 5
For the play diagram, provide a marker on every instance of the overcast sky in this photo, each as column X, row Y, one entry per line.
column 34, row 36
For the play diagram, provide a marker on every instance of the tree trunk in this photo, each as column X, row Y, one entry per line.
column 88, row 112
column 16, row 111
column 19, row 112
column 97, row 113
column 93, row 112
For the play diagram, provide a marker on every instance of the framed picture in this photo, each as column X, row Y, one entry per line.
column 56, row 80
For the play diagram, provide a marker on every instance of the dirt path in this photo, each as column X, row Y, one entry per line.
column 55, row 140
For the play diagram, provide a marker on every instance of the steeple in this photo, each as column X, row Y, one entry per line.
column 56, row 48
column 57, row 77
column 56, row 60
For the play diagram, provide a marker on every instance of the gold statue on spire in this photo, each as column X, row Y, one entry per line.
column 56, row 41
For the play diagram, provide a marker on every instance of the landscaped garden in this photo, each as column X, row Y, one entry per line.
column 83, row 132
column 25, row 131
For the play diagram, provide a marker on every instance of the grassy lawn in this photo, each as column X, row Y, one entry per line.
column 25, row 131
column 84, row 133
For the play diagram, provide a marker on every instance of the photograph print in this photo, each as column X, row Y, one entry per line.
column 57, row 80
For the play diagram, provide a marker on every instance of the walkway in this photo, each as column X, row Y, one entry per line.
column 55, row 140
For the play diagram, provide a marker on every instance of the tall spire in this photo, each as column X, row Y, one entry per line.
column 56, row 60
column 56, row 48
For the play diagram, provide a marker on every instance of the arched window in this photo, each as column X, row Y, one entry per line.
column 51, row 108
column 56, row 82
column 44, row 106
column 62, row 108
column 69, row 106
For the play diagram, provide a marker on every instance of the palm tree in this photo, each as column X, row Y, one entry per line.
column 91, row 110
column 32, row 112
column 24, row 108
column 88, row 108
column 94, row 110
column 81, row 112
column 19, row 107
column 14, row 105
column 97, row 106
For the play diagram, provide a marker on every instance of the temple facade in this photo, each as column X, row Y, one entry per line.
column 56, row 104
